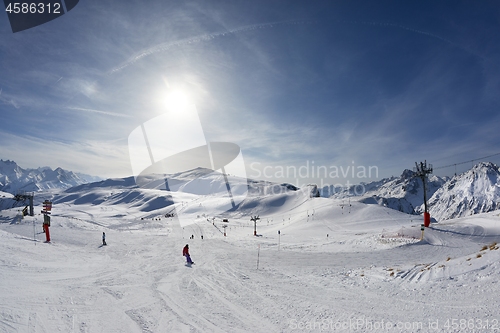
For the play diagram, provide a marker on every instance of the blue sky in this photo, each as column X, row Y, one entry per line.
column 341, row 83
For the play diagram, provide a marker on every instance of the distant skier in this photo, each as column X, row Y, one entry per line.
column 103, row 238
column 185, row 253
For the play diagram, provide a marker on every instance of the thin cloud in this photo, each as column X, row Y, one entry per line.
column 194, row 40
column 107, row 113
column 8, row 100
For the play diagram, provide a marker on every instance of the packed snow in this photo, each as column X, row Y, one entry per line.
column 316, row 265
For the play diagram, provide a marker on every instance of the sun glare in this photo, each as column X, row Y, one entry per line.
column 176, row 100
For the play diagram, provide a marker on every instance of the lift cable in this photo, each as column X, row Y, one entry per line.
column 469, row 161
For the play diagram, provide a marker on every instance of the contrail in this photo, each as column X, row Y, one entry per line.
column 207, row 37
column 165, row 46
column 101, row 112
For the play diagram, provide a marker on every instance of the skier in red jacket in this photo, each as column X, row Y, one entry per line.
column 185, row 253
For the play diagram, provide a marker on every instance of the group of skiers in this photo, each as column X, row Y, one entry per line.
column 192, row 237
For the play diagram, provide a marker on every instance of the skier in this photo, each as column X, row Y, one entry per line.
column 103, row 238
column 185, row 253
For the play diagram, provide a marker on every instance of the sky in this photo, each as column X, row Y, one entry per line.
column 364, row 86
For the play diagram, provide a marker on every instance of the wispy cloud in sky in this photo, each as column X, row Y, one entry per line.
column 8, row 100
column 289, row 83
column 194, row 40
column 113, row 114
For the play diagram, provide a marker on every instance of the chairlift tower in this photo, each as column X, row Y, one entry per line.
column 254, row 219
column 26, row 196
column 421, row 171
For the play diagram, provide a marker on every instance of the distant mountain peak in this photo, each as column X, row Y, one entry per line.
column 7, row 162
column 407, row 174
column 484, row 167
column 13, row 178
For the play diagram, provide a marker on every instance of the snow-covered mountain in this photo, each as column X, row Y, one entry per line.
column 475, row 191
column 404, row 193
column 13, row 178
column 88, row 178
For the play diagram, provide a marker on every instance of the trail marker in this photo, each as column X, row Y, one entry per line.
column 47, row 206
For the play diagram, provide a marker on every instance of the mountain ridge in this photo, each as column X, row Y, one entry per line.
column 15, row 179
column 474, row 191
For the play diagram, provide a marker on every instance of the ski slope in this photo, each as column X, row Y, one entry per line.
column 334, row 267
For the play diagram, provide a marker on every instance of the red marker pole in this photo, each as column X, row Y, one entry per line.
column 47, row 233
column 427, row 219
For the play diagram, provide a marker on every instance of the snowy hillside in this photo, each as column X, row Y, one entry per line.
column 197, row 190
column 475, row 191
column 13, row 178
column 7, row 200
column 314, row 267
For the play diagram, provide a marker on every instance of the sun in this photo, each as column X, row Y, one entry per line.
column 176, row 100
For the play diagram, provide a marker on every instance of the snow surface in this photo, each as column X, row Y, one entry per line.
column 333, row 267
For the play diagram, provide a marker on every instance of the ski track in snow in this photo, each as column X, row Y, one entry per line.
column 140, row 282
